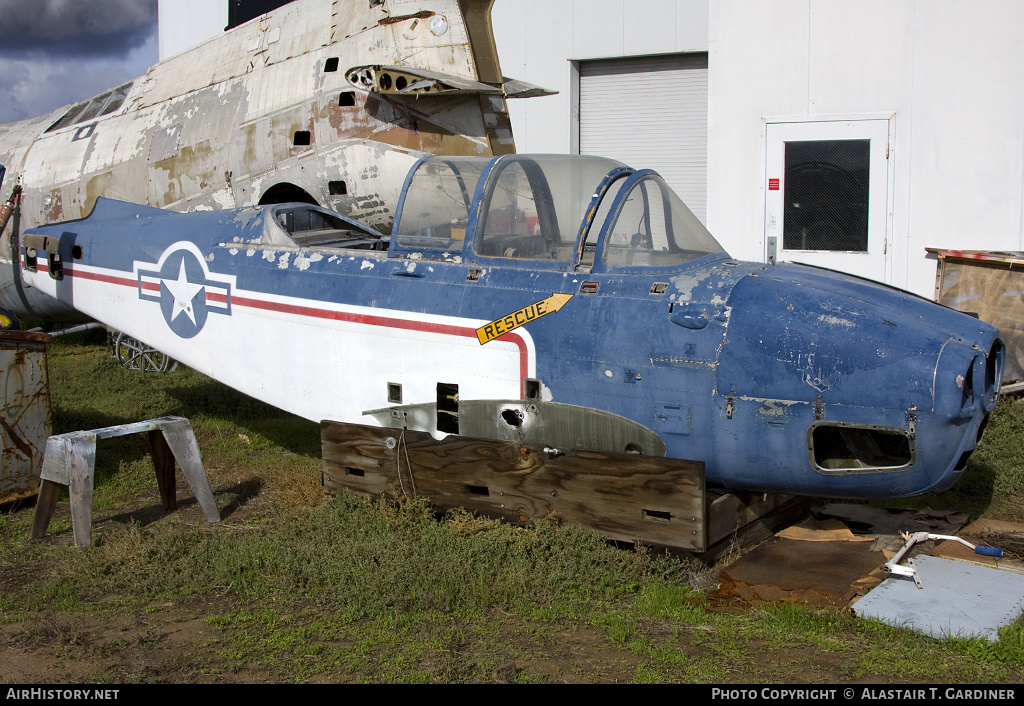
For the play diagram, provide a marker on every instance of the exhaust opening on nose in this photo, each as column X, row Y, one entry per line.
column 981, row 429
column 961, row 463
column 993, row 366
column 967, row 393
column 841, row 447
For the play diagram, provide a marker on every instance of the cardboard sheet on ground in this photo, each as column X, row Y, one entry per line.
column 869, row 520
column 819, row 573
column 826, row 530
column 958, row 598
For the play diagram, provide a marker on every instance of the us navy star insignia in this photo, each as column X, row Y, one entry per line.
column 185, row 288
column 183, row 292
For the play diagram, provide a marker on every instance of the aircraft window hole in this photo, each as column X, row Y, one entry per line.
column 337, row 188
column 84, row 132
column 447, row 408
column 331, row 65
column 385, row 82
column 512, row 417
column 55, row 266
column 632, row 448
column 347, row 99
column 302, row 138
column 532, row 389
column 76, row 252
column 285, row 193
column 394, row 393
column 401, row 83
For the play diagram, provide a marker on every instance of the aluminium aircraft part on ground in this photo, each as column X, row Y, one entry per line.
column 565, row 302
column 894, row 567
column 266, row 113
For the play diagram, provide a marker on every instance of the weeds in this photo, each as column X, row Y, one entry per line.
column 295, row 587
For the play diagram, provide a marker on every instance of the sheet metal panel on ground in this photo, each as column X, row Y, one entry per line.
column 957, row 599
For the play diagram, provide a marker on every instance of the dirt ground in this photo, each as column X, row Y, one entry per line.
column 176, row 642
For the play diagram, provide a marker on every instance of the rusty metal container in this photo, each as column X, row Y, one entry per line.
column 26, row 419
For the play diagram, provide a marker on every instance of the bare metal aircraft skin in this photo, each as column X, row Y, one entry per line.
column 569, row 301
column 325, row 101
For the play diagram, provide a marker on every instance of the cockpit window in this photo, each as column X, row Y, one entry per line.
column 103, row 104
column 116, row 99
column 534, row 209
column 435, row 211
column 654, row 228
column 603, row 209
column 515, row 224
column 311, row 226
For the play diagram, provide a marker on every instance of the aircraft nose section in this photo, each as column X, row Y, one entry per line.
column 795, row 339
column 888, row 392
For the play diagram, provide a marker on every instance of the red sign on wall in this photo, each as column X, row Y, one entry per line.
column 773, row 185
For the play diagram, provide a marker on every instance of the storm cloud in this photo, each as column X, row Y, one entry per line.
column 56, row 52
column 75, row 27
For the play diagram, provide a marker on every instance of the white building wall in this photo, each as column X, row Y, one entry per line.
column 950, row 71
column 186, row 23
column 537, row 41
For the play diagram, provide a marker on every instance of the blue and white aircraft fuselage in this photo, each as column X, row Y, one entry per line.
column 570, row 289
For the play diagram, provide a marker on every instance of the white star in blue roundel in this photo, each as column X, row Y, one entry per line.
column 188, row 293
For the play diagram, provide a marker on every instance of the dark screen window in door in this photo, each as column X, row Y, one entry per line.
column 826, row 195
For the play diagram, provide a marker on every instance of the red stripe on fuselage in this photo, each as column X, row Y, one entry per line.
column 327, row 314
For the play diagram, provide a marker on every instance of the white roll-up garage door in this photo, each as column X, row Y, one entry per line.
column 651, row 113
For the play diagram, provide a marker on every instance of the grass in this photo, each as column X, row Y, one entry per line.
column 293, row 587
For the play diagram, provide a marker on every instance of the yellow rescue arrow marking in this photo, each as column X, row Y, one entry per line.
column 525, row 315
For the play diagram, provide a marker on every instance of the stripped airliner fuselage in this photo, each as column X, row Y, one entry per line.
column 323, row 101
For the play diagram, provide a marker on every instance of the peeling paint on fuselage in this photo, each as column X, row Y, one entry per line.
column 216, row 127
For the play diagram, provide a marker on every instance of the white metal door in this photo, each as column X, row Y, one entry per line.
column 828, row 188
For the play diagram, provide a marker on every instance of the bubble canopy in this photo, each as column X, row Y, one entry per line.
column 563, row 212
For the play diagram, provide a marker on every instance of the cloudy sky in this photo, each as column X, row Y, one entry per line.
column 55, row 52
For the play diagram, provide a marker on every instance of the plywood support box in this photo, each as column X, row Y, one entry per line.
column 625, row 497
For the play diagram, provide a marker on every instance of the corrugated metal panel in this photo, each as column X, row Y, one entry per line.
column 650, row 112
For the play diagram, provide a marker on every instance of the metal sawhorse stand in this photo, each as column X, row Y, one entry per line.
column 70, row 460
